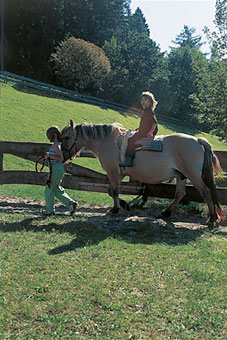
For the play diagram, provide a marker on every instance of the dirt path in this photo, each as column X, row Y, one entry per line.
column 98, row 214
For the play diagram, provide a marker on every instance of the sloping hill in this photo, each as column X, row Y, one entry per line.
column 27, row 113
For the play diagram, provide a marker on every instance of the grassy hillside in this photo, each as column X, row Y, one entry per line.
column 27, row 113
column 91, row 276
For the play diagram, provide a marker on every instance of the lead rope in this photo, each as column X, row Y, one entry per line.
column 48, row 182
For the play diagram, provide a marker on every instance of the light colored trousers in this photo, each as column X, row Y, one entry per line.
column 56, row 190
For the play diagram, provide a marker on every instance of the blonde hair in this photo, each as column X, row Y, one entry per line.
column 150, row 95
column 52, row 131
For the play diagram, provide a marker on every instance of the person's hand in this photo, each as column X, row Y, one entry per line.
column 46, row 156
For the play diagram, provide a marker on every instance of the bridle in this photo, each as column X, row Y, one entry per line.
column 69, row 150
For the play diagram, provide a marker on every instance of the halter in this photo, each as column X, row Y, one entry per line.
column 48, row 182
column 69, row 150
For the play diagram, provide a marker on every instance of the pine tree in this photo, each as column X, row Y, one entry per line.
column 137, row 22
column 186, row 38
column 218, row 39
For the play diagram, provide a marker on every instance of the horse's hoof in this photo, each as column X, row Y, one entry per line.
column 127, row 207
column 113, row 211
column 166, row 214
column 212, row 225
column 124, row 205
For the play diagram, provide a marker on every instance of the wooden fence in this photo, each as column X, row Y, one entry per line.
column 81, row 178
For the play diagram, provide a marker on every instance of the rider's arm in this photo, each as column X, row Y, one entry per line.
column 147, row 124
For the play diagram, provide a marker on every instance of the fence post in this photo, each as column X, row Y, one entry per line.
column 1, row 167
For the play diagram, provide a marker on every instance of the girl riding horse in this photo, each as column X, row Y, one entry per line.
column 148, row 127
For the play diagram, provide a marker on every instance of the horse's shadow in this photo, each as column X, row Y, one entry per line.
column 90, row 230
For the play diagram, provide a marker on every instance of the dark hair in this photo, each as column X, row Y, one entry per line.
column 52, row 131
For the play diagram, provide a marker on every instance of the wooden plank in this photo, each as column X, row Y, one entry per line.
column 1, row 167
column 102, row 185
column 77, row 170
column 74, row 169
column 222, row 156
column 24, row 148
column 30, row 150
column 1, row 161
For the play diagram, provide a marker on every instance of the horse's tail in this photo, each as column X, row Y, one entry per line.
column 211, row 165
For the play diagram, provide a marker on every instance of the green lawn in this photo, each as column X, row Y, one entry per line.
column 102, row 278
column 77, row 278
column 27, row 113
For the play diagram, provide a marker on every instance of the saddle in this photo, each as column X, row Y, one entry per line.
column 145, row 143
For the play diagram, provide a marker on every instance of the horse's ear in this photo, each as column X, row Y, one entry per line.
column 71, row 123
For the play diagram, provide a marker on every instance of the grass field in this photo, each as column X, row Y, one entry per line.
column 87, row 277
column 27, row 113
column 76, row 278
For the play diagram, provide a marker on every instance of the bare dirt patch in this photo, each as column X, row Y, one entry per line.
column 181, row 227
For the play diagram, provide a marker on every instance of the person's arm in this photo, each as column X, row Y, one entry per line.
column 59, row 155
column 153, row 128
column 147, row 124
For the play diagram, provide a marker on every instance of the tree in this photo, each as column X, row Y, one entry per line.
column 218, row 39
column 211, row 97
column 137, row 22
column 137, row 65
column 186, row 38
column 80, row 65
column 33, row 28
column 183, row 81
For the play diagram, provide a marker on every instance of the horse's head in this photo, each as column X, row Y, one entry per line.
column 69, row 141
column 76, row 137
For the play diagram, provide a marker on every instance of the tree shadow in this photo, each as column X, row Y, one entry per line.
column 39, row 92
column 178, row 128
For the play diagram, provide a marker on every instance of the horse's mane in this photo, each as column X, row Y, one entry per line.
column 98, row 131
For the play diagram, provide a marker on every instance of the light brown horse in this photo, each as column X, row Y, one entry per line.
column 183, row 157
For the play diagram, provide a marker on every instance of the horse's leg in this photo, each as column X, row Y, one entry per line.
column 122, row 202
column 179, row 194
column 114, row 180
column 206, row 195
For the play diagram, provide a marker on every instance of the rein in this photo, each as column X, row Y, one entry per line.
column 48, row 182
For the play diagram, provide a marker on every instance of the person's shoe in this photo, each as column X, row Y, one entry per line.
column 129, row 156
column 72, row 207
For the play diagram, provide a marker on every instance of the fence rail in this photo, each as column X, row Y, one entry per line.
column 82, row 178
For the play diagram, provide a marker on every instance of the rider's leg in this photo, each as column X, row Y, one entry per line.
column 129, row 156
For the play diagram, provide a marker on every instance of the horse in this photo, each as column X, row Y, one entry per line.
column 183, row 157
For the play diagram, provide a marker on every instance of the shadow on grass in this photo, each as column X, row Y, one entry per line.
column 179, row 128
column 43, row 93
column 91, row 229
